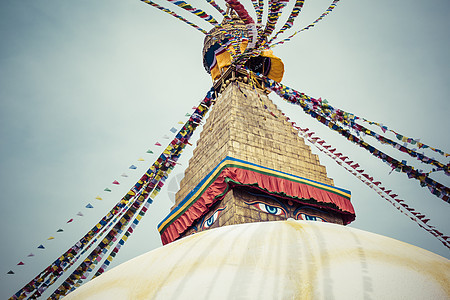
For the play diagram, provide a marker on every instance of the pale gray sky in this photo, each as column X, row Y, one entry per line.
column 87, row 87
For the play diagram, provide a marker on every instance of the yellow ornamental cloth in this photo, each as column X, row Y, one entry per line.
column 276, row 67
column 224, row 60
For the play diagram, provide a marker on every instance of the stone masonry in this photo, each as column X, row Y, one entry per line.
column 245, row 124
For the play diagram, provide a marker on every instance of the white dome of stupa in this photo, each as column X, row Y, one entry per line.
column 277, row 260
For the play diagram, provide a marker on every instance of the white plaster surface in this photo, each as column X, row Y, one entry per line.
column 277, row 260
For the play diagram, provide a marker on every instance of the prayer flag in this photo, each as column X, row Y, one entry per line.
column 41, row 247
column 133, row 167
column 173, row 129
column 157, row 144
column 89, row 206
column 70, row 221
column 150, row 151
column 20, row 264
column 10, row 272
column 116, row 182
column 99, row 198
column 51, row 238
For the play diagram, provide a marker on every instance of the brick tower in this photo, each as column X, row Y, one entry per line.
column 250, row 165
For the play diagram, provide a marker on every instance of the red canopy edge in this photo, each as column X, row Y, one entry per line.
column 280, row 186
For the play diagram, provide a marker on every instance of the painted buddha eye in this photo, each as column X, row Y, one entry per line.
column 270, row 209
column 210, row 221
column 306, row 217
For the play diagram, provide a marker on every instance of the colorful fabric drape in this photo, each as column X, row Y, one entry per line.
column 165, row 163
column 217, row 7
column 348, row 120
column 174, row 15
column 275, row 10
column 231, row 172
column 298, row 98
column 198, row 12
column 372, row 183
column 148, row 185
column 240, row 10
column 290, row 21
column 329, row 9
column 404, row 138
column 258, row 5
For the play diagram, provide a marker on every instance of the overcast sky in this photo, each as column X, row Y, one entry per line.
column 87, row 88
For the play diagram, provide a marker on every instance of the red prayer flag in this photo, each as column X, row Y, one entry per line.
column 116, row 182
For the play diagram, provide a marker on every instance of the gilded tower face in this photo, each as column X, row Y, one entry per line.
column 249, row 206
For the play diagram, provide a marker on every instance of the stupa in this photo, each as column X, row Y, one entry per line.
column 250, row 165
column 257, row 217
